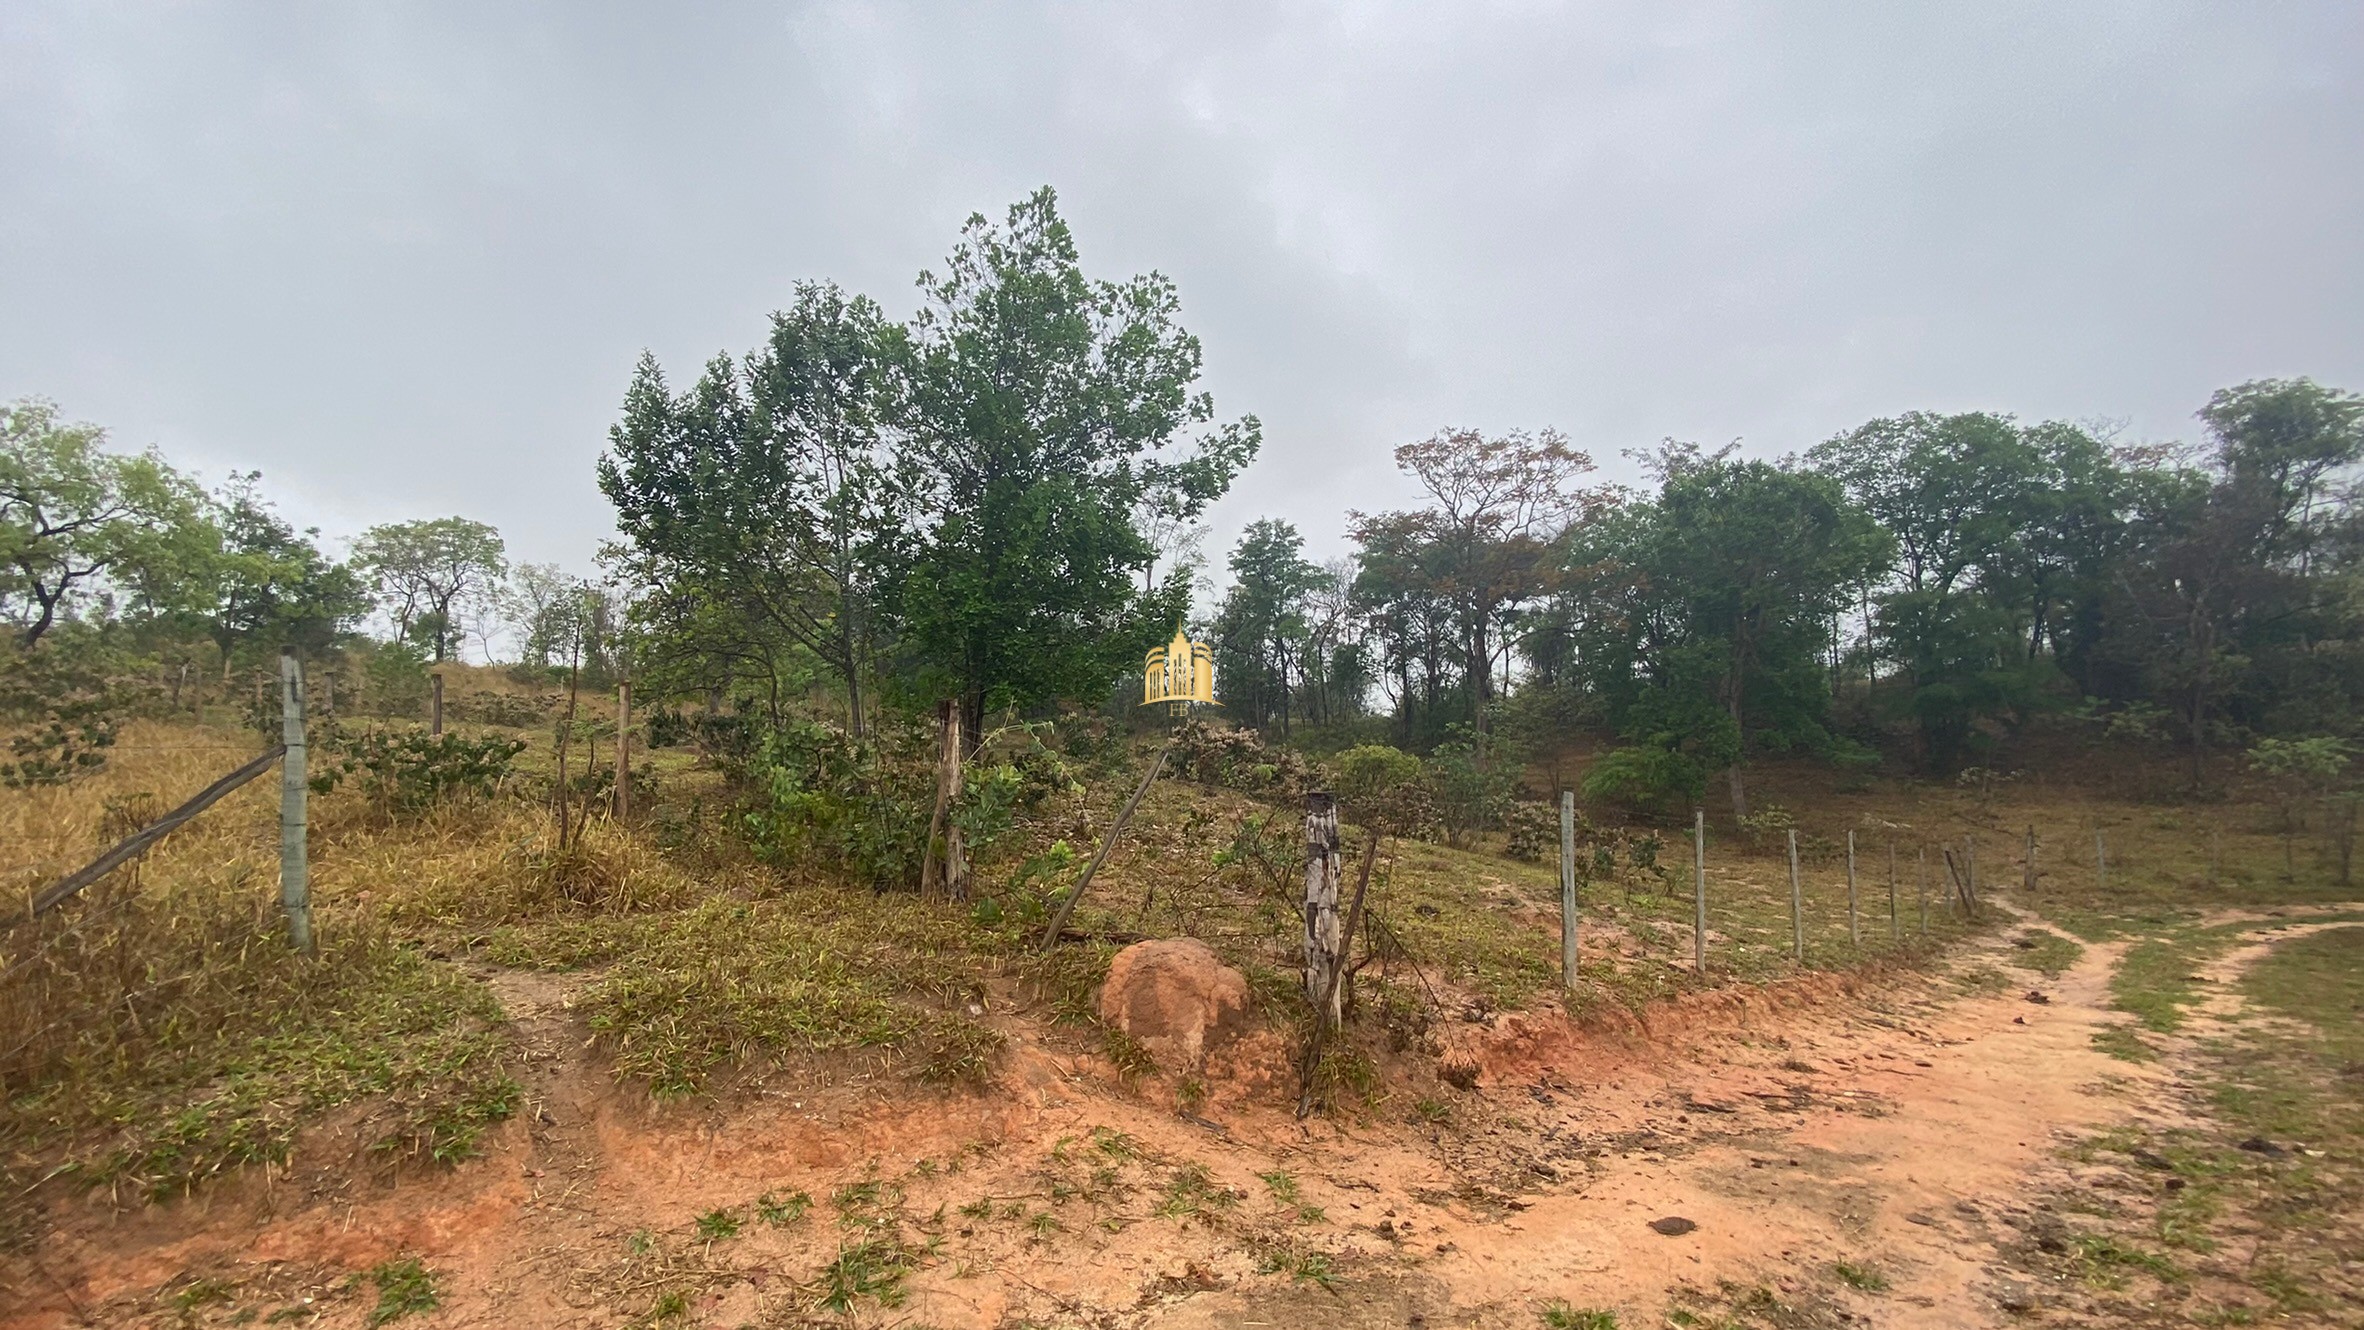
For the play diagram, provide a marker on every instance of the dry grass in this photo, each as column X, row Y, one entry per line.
column 171, row 1034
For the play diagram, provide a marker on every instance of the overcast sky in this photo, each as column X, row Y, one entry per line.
column 401, row 258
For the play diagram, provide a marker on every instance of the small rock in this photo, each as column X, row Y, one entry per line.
column 1918, row 1217
column 2015, row 1298
column 1967, row 1210
column 2259, row 1145
column 2037, row 996
column 2019, row 1020
column 1673, row 1226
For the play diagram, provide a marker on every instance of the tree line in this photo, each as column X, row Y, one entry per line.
column 123, row 550
column 995, row 506
column 1930, row 582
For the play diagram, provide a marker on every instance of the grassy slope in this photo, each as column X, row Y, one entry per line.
column 701, row 961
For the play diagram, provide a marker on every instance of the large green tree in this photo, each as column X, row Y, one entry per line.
column 1040, row 413
column 1480, row 548
column 75, row 518
column 760, row 507
column 429, row 573
column 267, row 585
column 2001, row 531
column 1263, row 630
column 1708, row 608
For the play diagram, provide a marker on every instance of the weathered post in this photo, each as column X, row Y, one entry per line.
column 1568, row 953
column 623, row 749
column 1893, row 931
column 1699, row 890
column 2101, row 860
column 947, row 874
column 295, row 888
column 1854, row 931
column 2028, row 871
column 435, row 708
column 1324, row 942
column 1970, row 873
column 1797, row 903
column 1921, row 861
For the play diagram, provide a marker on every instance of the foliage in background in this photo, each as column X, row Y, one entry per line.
column 409, row 770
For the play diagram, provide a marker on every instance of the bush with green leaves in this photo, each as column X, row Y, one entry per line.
column 1647, row 778
column 68, row 710
column 1530, row 830
column 859, row 805
column 1473, row 780
column 1239, row 759
column 1383, row 787
column 409, row 770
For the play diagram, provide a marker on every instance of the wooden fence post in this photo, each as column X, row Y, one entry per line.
column 1921, row 860
column 2029, row 871
column 1970, row 872
column 2101, row 860
column 1797, row 903
column 1324, row 943
column 435, row 709
column 1854, row 931
column 1699, row 890
column 623, row 749
column 1569, row 958
column 295, row 887
column 1893, row 931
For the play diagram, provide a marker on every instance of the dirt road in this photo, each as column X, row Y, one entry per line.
column 1854, row 1157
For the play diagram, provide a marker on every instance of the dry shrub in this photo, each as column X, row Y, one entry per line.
column 501, row 863
column 159, row 1029
column 169, row 1033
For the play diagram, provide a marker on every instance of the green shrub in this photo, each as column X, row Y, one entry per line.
column 409, row 769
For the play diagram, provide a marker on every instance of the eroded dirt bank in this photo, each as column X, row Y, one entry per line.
column 1901, row 1131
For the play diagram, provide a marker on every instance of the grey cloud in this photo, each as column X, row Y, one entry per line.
column 401, row 257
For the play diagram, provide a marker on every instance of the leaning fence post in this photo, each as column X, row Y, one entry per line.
column 1568, row 953
column 1699, row 890
column 1797, row 903
column 295, row 890
column 1854, row 932
column 1324, row 943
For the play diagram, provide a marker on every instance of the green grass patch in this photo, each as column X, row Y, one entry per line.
column 207, row 1086
column 689, row 993
column 2044, row 951
column 1861, row 1278
column 1559, row 1315
column 2124, row 1044
column 405, row 1288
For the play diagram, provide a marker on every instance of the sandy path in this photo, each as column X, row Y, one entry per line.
column 1904, row 1130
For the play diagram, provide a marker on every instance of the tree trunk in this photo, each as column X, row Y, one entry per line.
column 946, row 875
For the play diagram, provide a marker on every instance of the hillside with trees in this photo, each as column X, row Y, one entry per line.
column 727, row 927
